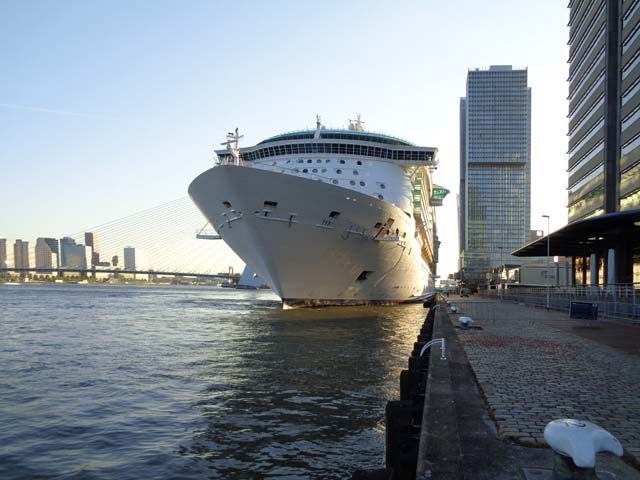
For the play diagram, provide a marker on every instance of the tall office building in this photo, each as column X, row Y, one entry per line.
column 21, row 254
column 604, row 107
column 495, row 169
column 3, row 253
column 47, row 253
column 91, row 239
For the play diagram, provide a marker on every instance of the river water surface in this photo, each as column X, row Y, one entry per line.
column 193, row 382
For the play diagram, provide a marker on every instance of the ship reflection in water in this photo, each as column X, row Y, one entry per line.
column 132, row 382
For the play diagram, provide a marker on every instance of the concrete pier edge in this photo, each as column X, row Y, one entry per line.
column 455, row 437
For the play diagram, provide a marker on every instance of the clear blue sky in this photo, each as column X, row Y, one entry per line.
column 107, row 108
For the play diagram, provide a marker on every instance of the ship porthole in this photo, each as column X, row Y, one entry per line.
column 338, row 171
column 352, row 182
column 380, row 197
column 335, row 182
column 362, row 184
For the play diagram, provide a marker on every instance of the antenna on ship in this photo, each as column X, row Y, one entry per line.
column 232, row 143
column 357, row 124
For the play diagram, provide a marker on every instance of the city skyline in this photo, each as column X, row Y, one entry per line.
column 133, row 106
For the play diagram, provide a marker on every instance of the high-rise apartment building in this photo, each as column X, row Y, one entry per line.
column 3, row 253
column 21, row 254
column 47, row 253
column 495, row 169
column 604, row 107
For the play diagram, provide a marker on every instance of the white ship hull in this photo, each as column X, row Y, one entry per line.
column 308, row 257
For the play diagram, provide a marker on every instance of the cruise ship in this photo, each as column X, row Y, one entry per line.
column 328, row 216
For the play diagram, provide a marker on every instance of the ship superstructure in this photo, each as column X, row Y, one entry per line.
column 327, row 216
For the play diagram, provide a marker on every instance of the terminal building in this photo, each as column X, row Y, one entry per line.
column 603, row 234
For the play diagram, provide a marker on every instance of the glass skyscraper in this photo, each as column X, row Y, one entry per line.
column 495, row 169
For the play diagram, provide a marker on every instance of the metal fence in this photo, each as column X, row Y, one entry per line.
column 612, row 300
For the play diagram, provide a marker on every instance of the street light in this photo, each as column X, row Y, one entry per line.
column 548, row 250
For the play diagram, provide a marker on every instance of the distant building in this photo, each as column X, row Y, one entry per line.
column 21, row 254
column 72, row 255
column 3, row 253
column 129, row 258
column 114, row 260
column 65, row 243
column 47, row 253
column 536, row 235
column 92, row 239
column 495, row 169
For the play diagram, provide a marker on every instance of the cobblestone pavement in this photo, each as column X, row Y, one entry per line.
column 534, row 366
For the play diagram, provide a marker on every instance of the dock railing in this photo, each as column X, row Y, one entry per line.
column 621, row 300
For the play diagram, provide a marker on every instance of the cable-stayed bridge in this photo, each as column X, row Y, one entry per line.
column 168, row 239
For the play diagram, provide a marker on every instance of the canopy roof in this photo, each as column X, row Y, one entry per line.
column 585, row 237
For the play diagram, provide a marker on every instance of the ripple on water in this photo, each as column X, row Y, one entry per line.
column 173, row 382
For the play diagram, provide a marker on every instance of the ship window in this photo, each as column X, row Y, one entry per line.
column 319, row 161
column 334, row 214
column 288, row 161
column 338, row 171
column 378, row 225
column 352, row 182
column 324, row 170
column 226, row 204
column 342, row 162
column 363, row 276
column 380, row 197
column 362, row 184
column 359, row 162
column 270, row 204
column 315, row 170
column 300, row 160
column 335, row 182
column 309, row 161
column 304, row 170
column 383, row 186
column 355, row 172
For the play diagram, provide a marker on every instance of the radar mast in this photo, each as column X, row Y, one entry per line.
column 232, row 143
column 357, row 124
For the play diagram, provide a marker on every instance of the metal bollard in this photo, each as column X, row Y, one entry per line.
column 575, row 444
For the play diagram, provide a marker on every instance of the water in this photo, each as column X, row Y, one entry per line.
column 192, row 382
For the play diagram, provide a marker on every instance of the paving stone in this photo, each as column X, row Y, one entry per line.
column 533, row 372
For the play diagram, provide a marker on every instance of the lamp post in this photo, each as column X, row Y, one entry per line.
column 548, row 253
